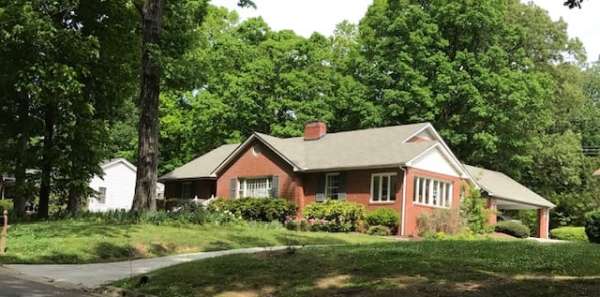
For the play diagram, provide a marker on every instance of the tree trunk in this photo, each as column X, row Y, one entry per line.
column 148, row 130
column 21, row 191
column 73, row 203
column 47, row 156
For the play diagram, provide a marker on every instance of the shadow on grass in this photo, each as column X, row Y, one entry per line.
column 398, row 269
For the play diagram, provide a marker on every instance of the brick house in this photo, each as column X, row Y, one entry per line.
column 407, row 168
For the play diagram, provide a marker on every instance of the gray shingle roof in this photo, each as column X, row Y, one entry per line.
column 354, row 149
column 501, row 186
column 203, row 166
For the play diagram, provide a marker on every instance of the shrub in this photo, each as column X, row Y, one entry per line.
column 256, row 209
column 379, row 230
column 514, row 228
column 569, row 233
column 474, row 213
column 6, row 205
column 335, row 216
column 384, row 217
column 592, row 226
column 439, row 220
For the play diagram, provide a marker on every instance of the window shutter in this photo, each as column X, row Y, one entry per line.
column 320, row 192
column 393, row 181
column 275, row 186
column 342, row 188
column 233, row 185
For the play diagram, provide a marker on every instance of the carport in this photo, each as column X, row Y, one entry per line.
column 504, row 193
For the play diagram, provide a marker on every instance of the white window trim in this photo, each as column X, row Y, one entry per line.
column 327, row 184
column 440, row 197
column 242, row 186
column 389, row 187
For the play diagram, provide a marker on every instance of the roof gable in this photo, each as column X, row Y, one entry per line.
column 436, row 160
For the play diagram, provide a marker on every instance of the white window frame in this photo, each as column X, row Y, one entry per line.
column 328, row 194
column 381, row 176
column 242, row 190
column 425, row 197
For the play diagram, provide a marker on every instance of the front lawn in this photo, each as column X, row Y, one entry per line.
column 84, row 241
column 428, row 268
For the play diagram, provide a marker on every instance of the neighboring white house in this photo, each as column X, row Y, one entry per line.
column 115, row 189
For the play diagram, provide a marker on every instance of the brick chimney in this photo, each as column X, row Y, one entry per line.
column 314, row 130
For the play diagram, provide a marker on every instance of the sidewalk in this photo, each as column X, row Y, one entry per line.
column 95, row 275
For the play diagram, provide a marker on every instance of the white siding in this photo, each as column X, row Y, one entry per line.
column 435, row 161
column 119, row 180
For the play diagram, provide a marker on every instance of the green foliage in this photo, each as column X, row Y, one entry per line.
column 384, row 217
column 5, row 205
column 256, row 209
column 335, row 216
column 474, row 213
column 592, row 226
column 445, row 221
column 569, row 233
column 513, row 228
column 379, row 230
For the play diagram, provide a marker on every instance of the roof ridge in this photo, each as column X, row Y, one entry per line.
column 348, row 131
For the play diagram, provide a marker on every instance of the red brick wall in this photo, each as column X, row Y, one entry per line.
column 413, row 210
column 358, row 187
column 264, row 163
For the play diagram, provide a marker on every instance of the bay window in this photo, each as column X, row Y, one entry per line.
column 432, row 192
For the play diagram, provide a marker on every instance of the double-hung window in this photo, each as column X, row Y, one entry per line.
column 332, row 185
column 101, row 195
column 383, row 188
column 432, row 192
column 255, row 187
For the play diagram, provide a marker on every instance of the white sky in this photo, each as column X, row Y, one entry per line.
column 307, row 16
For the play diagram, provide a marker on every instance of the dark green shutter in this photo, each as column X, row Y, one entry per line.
column 393, row 181
column 320, row 191
column 275, row 186
column 342, row 189
column 233, row 185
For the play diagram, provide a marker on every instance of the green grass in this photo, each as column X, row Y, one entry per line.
column 428, row 268
column 569, row 233
column 79, row 241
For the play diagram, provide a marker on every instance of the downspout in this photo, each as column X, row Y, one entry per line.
column 403, row 201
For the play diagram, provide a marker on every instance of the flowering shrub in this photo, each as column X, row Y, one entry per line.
column 256, row 209
column 334, row 216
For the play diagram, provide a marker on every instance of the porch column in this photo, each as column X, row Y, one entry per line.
column 299, row 194
column 493, row 208
column 543, row 222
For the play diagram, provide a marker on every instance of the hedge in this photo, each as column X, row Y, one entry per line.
column 335, row 216
column 256, row 209
column 514, row 228
column 569, row 233
column 592, row 226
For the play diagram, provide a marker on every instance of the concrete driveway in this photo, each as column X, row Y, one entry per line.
column 94, row 275
column 13, row 284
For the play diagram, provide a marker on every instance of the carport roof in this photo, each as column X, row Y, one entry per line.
column 501, row 186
